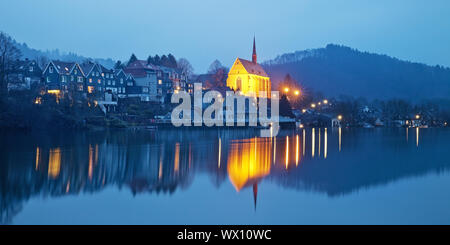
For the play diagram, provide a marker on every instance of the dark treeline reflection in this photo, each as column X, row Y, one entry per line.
column 331, row 161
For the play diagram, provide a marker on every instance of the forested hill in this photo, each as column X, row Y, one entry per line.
column 55, row 54
column 339, row 70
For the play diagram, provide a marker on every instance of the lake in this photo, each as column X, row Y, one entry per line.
column 306, row 176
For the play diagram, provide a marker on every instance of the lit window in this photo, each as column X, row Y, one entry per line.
column 99, row 81
column 90, row 80
column 159, row 81
column 90, row 89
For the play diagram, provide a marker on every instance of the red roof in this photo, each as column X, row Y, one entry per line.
column 139, row 68
column 253, row 68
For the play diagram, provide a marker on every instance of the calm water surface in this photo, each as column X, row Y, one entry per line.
column 311, row 176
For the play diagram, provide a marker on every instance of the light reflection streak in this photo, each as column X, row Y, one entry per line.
column 319, row 140
column 406, row 134
column 417, row 136
column 38, row 153
column 54, row 162
column 220, row 151
column 274, row 149
column 313, row 144
column 177, row 158
column 340, row 135
column 287, row 151
column 304, row 141
column 296, row 150
column 325, row 144
column 91, row 162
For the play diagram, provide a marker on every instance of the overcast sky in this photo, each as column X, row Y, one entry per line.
column 204, row 30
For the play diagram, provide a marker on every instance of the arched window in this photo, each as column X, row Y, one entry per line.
column 238, row 83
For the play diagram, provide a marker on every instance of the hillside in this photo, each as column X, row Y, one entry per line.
column 55, row 54
column 337, row 70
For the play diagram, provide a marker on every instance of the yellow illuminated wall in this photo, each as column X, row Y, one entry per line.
column 249, row 161
column 240, row 79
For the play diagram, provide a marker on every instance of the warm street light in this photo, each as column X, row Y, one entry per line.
column 297, row 92
column 313, row 105
column 304, row 110
column 318, row 103
column 339, row 117
column 417, row 116
column 286, row 90
column 325, row 102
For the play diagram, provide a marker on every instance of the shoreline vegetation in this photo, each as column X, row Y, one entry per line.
column 19, row 110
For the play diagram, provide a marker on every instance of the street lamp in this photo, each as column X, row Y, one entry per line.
column 313, row 105
column 297, row 92
column 325, row 102
column 339, row 117
column 417, row 116
column 286, row 90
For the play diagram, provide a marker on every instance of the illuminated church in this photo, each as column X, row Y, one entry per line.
column 249, row 77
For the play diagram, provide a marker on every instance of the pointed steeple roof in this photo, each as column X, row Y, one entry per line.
column 255, row 193
column 254, row 60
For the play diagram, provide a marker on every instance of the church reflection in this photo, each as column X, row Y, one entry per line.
column 163, row 162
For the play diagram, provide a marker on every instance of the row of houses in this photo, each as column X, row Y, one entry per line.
column 138, row 79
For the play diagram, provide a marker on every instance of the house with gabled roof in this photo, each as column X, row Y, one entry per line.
column 57, row 76
column 109, row 78
column 24, row 74
column 121, row 83
column 76, row 79
column 94, row 80
column 145, row 76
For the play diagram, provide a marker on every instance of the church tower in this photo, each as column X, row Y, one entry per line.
column 248, row 77
column 254, row 51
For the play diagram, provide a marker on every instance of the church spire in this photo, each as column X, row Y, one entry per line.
column 254, row 51
column 255, row 193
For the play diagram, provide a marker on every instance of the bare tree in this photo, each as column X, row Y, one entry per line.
column 185, row 66
column 215, row 66
column 9, row 53
column 42, row 61
column 219, row 73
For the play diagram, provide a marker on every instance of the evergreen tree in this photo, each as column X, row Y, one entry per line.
column 118, row 65
column 133, row 58
column 157, row 60
column 172, row 61
column 165, row 61
column 150, row 60
column 285, row 107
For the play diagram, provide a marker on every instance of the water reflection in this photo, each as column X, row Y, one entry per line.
column 39, row 165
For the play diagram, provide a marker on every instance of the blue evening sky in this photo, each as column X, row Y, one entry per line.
column 204, row 30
